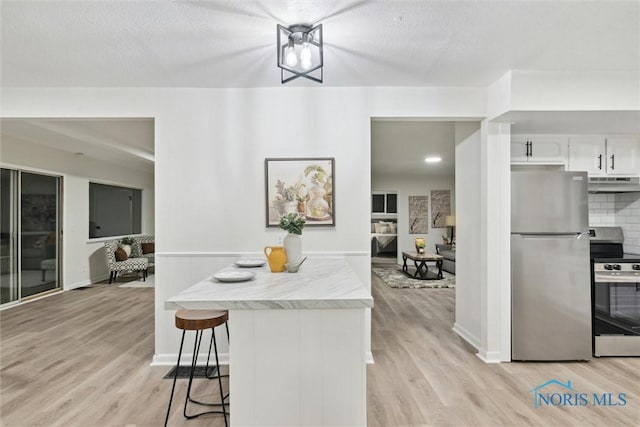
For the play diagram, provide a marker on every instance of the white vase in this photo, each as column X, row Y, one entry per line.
column 293, row 246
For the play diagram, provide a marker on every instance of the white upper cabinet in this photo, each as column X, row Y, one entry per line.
column 519, row 148
column 623, row 156
column 538, row 149
column 587, row 154
column 599, row 156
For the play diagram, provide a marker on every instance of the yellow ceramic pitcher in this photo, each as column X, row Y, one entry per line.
column 277, row 258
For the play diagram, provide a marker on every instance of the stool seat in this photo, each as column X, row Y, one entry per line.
column 195, row 320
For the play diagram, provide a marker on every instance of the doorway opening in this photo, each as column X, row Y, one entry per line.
column 412, row 189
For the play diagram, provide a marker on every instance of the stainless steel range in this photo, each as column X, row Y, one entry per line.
column 615, row 293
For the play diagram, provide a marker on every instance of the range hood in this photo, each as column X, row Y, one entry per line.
column 613, row 185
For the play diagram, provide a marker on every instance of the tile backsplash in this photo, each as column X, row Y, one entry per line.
column 618, row 209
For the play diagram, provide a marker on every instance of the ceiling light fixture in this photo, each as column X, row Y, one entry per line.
column 300, row 52
column 433, row 159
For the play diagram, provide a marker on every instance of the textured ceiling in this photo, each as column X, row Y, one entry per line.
column 368, row 43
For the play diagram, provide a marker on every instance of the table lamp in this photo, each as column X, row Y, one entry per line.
column 450, row 221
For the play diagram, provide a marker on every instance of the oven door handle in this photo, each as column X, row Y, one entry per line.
column 608, row 279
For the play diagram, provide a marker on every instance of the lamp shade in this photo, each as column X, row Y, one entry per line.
column 450, row 221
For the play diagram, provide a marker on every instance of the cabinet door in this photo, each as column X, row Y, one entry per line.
column 548, row 150
column 587, row 154
column 518, row 149
column 623, row 156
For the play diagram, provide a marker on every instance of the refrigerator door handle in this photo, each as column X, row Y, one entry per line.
column 575, row 235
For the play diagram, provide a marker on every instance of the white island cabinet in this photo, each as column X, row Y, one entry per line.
column 297, row 354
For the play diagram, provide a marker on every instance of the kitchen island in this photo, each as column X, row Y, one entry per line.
column 297, row 355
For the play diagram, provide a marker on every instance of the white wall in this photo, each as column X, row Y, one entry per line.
column 468, row 239
column 532, row 90
column 553, row 90
column 210, row 148
column 83, row 262
column 415, row 186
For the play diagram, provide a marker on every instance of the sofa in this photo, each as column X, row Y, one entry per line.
column 449, row 255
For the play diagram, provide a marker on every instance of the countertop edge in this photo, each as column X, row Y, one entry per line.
column 271, row 305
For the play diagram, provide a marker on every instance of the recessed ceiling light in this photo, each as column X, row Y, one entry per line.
column 433, row 159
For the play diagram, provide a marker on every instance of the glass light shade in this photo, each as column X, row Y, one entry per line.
column 305, row 57
column 305, row 64
column 290, row 57
column 305, row 53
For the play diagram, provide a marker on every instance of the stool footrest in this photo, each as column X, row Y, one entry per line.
column 197, row 402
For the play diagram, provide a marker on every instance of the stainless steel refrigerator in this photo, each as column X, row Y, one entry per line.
column 550, row 266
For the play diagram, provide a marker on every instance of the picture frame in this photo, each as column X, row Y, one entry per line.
column 303, row 185
column 418, row 214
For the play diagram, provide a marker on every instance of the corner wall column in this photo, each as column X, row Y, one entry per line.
column 495, row 219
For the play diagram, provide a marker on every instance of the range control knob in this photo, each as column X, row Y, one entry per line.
column 608, row 267
column 636, row 266
column 617, row 267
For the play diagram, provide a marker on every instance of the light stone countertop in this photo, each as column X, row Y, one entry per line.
column 320, row 283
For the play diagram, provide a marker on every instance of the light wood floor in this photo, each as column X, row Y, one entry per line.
column 426, row 375
column 81, row 358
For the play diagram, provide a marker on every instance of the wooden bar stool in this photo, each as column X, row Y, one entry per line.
column 199, row 321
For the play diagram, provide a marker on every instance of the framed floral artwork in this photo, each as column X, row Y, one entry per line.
column 304, row 186
column 440, row 207
column 418, row 211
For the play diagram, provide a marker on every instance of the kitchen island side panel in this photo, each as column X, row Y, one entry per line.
column 298, row 367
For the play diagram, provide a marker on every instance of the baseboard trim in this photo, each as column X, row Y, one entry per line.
column 85, row 282
column 255, row 254
column 489, row 356
column 467, row 336
column 170, row 359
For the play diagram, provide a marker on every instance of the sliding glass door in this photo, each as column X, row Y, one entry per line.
column 39, row 233
column 8, row 236
column 31, row 210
